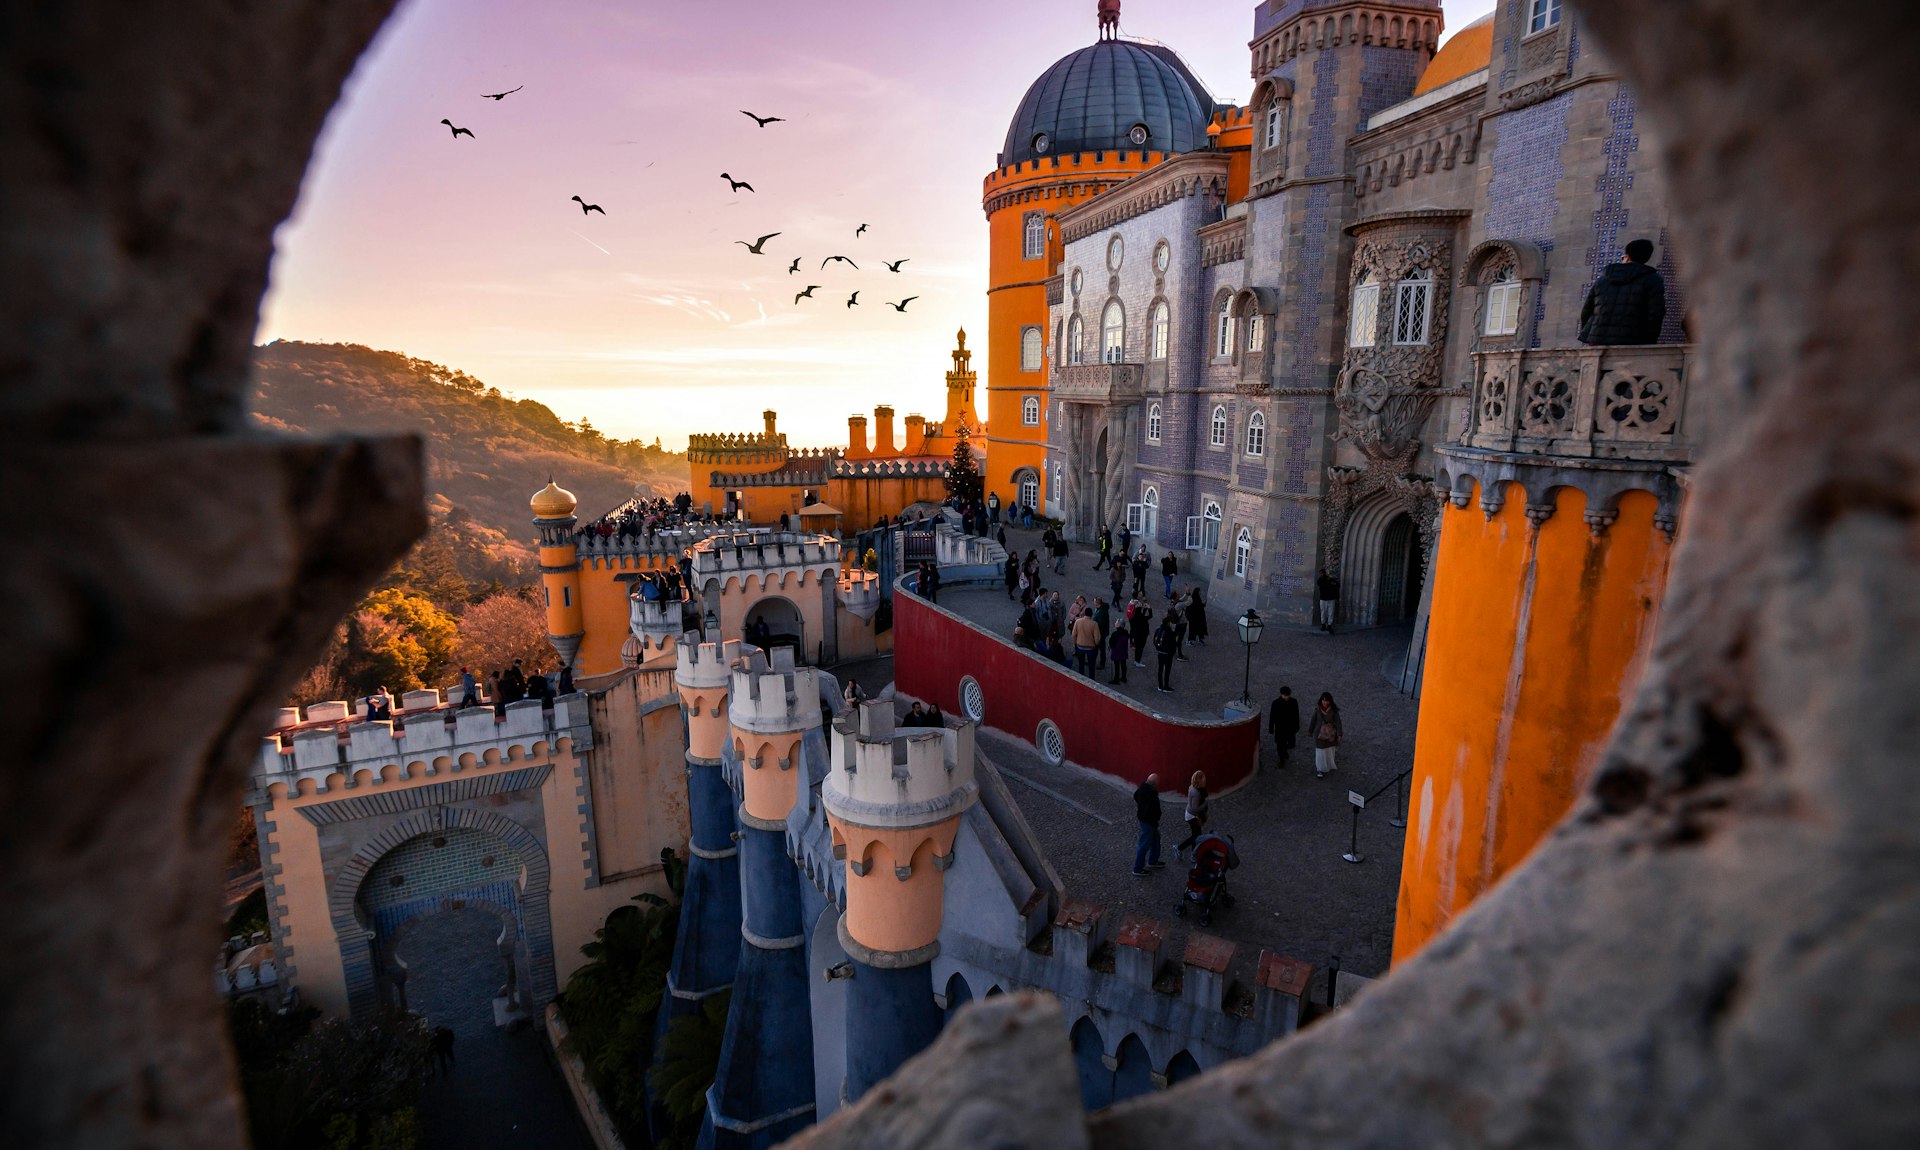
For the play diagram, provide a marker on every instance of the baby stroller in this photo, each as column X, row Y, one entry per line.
column 1213, row 857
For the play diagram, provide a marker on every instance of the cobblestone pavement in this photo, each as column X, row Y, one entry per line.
column 504, row 1089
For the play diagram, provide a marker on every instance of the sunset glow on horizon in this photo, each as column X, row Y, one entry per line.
column 650, row 320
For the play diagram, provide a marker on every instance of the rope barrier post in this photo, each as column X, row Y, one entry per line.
column 1399, row 802
column 1333, row 980
column 1359, row 802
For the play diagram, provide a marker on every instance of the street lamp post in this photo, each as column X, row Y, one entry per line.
column 1250, row 628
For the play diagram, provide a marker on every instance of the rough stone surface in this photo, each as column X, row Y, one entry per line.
column 954, row 1093
column 165, row 577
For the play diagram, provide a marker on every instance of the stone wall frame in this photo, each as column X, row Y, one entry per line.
column 1484, row 264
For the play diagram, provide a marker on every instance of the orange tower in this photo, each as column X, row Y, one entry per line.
column 553, row 508
column 1098, row 116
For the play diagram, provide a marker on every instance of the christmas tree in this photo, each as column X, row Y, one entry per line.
column 963, row 475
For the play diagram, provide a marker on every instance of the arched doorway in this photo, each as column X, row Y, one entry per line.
column 774, row 621
column 450, row 870
column 1401, row 572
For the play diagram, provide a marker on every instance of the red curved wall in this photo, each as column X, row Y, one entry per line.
column 933, row 648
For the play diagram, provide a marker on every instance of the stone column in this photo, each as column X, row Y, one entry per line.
column 894, row 817
column 763, row 1090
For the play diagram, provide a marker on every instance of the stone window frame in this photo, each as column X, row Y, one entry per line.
column 1272, row 107
column 1030, row 411
column 1153, row 422
column 1255, row 440
column 1217, row 425
column 1022, row 477
column 1150, row 510
column 1224, row 328
column 1114, row 351
column 1248, row 305
column 1543, row 16
column 1487, row 261
column 1028, row 249
column 1159, row 329
column 1416, row 284
column 1365, row 283
column 1039, row 345
column 1213, row 517
column 1242, row 552
column 1076, row 341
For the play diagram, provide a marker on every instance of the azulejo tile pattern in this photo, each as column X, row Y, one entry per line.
column 1612, row 184
column 1523, row 196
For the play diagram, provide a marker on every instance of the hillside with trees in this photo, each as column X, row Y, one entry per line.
column 486, row 451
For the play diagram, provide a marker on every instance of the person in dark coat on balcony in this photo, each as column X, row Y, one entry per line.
column 1628, row 303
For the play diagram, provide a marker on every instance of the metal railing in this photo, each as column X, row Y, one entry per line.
column 1359, row 803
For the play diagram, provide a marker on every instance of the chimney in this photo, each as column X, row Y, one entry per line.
column 883, row 446
column 857, row 437
column 916, row 435
column 770, row 416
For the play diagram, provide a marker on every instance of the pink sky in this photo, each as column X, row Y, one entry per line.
column 649, row 320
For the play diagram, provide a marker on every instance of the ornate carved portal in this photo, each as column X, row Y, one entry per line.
column 1386, row 391
column 1099, row 466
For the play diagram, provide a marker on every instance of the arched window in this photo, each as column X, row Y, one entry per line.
column 1029, row 487
column 1256, row 333
column 1364, row 314
column 1030, row 411
column 1113, row 332
column 1204, row 533
column 1412, row 308
column 1274, row 111
column 1223, row 344
column 1257, row 434
column 1157, row 326
column 1503, row 304
column 1242, row 551
column 1030, row 350
column 1074, row 336
column 1218, row 431
column 1153, row 423
column 1150, row 511
column 1036, row 235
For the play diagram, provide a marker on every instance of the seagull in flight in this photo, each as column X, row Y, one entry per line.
column 858, row 230
column 808, row 294
column 586, row 207
column 737, row 184
column 458, row 132
column 853, row 300
column 893, row 265
column 842, row 259
column 902, row 305
column 498, row 96
column 763, row 121
column 795, row 266
column 756, row 245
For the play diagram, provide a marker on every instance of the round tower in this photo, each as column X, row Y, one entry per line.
column 1097, row 117
column 553, row 508
column 763, row 1091
column 707, row 951
column 894, row 802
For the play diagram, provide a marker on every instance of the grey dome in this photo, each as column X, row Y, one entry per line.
column 1090, row 100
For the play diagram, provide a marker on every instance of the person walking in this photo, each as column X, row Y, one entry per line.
column 1283, row 719
column 1326, row 590
column 1326, row 729
column 1139, row 565
column 1196, row 814
column 1126, row 543
column 1086, row 643
column 1146, row 809
column 993, row 513
column 1117, row 578
column 1013, row 575
column 1628, row 303
column 1139, row 625
column 1196, row 617
column 469, row 689
column 1177, row 620
column 1169, row 567
column 1117, row 654
column 1104, row 617
column 1103, row 544
column 1166, row 647
column 1060, row 555
column 514, row 683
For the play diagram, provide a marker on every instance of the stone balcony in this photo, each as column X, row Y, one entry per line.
column 1100, row 383
column 1584, row 402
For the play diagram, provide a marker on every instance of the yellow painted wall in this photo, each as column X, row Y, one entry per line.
column 606, row 613
column 306, row 927
column 1535, row 636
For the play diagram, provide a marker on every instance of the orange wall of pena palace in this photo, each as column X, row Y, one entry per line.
column 1537, row 632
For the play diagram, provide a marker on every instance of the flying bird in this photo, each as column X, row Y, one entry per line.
column 902, row 305
column 893, row 265
column 497, row 96
column 586, row 207
column 842, row 259
column 756, row 245
column 853, row 300
column 858, row 230
column 763, row 121
column 795, row 267
column 458, row 132
column 808, row 294
column 737, row 184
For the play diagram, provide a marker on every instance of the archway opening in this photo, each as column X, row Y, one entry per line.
column 775, row 622
column 1401, row 572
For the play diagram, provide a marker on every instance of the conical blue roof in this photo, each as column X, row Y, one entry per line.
column 1091, row 101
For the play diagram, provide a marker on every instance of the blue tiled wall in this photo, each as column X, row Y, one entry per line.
column 1528, row 160
column 1612, row 185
